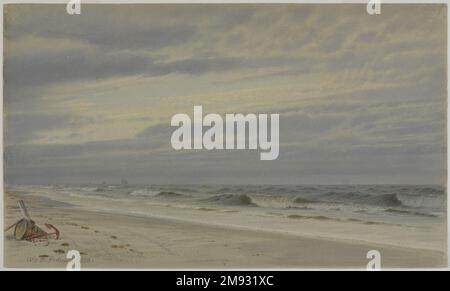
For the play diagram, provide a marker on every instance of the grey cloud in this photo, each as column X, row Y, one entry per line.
column 70, row 66
column 43, row 69
column 293, row 166
column 78, row 156
column 100, row 26
column 333, row 158
column 104, row 28
column 197, row 66
column 156, row 131
column 21, row 128
column 25, row 127
column 305, row 127
column 149, row 38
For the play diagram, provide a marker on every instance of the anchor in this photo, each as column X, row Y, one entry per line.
column 27, row 229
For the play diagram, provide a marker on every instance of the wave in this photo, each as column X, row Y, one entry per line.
column 418, row 200
column 301, row 200
column 408, row 212
column 170, row 194
column 88, row 189
column 432, row 190
column 318, row 217
column 153, row 193
column 231, row 199
column 386, row 200
column 144, row 193
column 186, row 190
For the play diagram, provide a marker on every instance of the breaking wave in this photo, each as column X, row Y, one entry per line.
column 398, row 200
column 144, row 193
column 153, row 193
column 170, row 194
column 301, row 200
column 386, row 200
column 231, row 199
column 409, row 212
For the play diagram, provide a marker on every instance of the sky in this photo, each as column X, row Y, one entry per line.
column 89, row 98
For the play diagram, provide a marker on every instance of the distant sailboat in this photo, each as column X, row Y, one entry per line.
column 124, row 182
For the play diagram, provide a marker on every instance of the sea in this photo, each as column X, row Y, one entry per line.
column 382, row 201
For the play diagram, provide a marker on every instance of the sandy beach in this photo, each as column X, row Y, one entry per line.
column 113, row 240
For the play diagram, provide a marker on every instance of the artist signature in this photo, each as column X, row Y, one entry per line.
column 54, row 260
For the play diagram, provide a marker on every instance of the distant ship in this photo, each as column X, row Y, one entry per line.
column 124, row 182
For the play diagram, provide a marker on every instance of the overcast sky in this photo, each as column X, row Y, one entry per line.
column 89, row 98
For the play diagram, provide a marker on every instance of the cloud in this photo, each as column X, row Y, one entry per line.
column 91, row 96
column 42, row 69
column 39, row 70
column 105, row 27
column 22, row 128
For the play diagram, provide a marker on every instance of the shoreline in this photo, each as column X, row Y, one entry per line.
column 111, row 240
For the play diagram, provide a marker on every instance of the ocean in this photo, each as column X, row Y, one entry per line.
column 383, row 202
